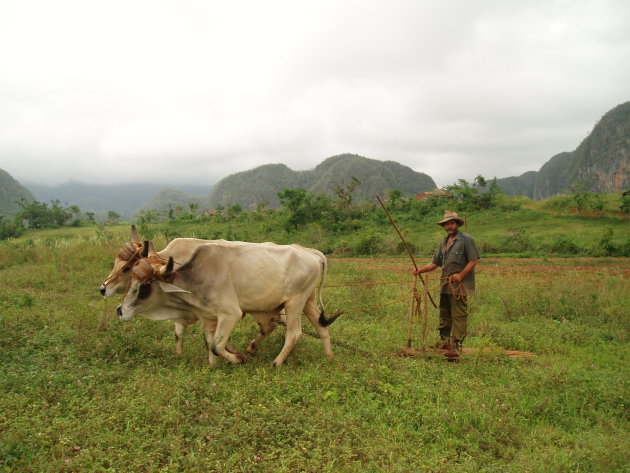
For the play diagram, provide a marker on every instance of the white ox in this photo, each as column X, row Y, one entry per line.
column 180, row 250
column 220, row 282
column 117, row 282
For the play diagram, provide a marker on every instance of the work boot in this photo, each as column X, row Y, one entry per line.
column 441, row 344
column 453, row 351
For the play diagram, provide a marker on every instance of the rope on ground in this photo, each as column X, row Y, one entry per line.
column 333, row 342
column 363, row 309
column 369, row 284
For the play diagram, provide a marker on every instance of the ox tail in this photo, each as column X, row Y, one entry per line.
column 323, row 321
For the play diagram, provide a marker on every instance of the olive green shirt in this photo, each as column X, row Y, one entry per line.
column 462, row 251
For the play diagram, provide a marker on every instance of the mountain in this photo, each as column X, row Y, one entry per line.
column 125, row 199
column 553, row 176
column 264, row 182
column 601, row 163
column 171, row 198
column 519, row 185
column 10, row 192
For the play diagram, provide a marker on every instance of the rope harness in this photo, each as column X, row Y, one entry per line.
column 457, row 288
column 135, row 257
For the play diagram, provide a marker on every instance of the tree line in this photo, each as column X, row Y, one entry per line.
column 338, row 214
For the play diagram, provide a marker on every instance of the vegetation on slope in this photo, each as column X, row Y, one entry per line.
column 600, row 164
column 11, row 192
column 262, row 184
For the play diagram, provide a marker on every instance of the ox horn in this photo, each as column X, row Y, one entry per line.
column 167, row 269
column 134, row 233
column 148, row 249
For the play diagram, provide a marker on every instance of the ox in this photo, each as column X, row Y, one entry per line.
column 180, row 249
column 118, row 280
column 221, row 282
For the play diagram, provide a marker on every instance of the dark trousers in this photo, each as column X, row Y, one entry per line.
column 453, row 318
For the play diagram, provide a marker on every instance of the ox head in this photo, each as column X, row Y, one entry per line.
column 118, row 279
column 150, row 287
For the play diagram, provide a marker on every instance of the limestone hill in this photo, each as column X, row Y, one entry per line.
column 601, row 163
column 263, row 183
column 10, row 192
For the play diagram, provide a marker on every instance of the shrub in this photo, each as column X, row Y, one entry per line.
column 370, row 244
column 516, row 241
column 9, row 229
column 558, row 202
column 564, row 245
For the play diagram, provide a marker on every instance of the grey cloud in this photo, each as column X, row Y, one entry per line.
column 449, row 88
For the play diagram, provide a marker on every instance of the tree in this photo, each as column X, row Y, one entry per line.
column 480, row 181
column 40, row 215
column 112, row 217
column 234, row 210
column 395, row 196
column 9, row 229
column 344, row 191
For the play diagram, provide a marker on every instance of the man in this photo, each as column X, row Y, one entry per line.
column 458, row 256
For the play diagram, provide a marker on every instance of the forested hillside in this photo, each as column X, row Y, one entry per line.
column 11, row 191
column 335, row 174
column 601, row 163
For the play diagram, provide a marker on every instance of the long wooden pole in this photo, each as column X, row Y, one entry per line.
column 413, row 260
column 412, row 313
column 426, row 310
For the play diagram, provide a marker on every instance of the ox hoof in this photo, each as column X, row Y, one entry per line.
column 252, row 349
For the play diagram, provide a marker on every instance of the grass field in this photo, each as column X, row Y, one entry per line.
column 82, row 391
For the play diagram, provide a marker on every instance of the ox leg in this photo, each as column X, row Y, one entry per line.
column 311, row 312
column 266, row 326
column 180, row 329
column 293, row 331
column 225, row 325
column 209, row 329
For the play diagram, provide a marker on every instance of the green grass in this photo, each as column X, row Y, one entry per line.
column 82, row 391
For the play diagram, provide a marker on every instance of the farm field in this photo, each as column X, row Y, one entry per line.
column 82, row 391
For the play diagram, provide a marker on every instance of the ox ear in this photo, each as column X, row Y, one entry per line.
column 168, row 287
column 134, row 233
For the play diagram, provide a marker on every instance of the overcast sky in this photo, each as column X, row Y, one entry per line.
column 191, row 91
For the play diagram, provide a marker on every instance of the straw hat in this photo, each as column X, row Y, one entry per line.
column 450, row 215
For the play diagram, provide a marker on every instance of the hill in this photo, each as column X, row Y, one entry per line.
column 264, row 182
column 10, row 192
column 125, row 199
column 171, row 198
column 601, row 163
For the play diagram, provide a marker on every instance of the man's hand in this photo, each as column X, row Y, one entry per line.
column 457, row 277
column 424, row 269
